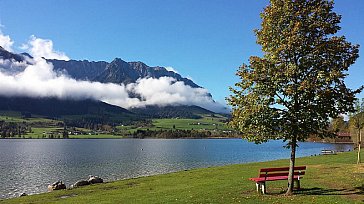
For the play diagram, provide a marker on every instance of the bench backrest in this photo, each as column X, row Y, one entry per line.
column 281, row 171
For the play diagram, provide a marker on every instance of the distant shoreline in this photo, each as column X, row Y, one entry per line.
column 120, row 137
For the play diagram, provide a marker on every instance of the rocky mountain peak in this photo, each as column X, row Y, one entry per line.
column 117, row 71
column 4, row 54
column 118, row 61
column 26, row 54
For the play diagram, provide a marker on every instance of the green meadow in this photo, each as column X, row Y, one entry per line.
column 41, row 127
column 206, row 122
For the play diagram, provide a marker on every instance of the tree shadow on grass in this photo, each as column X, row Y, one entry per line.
column 356, row 192
column 326, row 191
column 359, row 190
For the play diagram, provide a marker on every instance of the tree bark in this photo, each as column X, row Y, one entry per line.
column 291, row 168
column 359, row 146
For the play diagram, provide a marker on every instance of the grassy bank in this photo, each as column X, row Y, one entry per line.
column 329, row 179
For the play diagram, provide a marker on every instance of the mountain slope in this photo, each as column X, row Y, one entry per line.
column 193, row 112
column 57, row 108
column 4, row 54
column 118, row 71
column 80, row 70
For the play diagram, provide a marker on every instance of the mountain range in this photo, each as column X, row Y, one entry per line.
column 117, row 71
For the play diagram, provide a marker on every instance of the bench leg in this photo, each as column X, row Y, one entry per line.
column 298, row 185
column 264, row 188
column 261, row 188
column 258, row 187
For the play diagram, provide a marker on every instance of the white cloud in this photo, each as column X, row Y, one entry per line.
column 40, row 80
column 167, row 91
column 12, row 66
column 6, row 42
column 39, row 47
column 36, row 78
column 171, row 69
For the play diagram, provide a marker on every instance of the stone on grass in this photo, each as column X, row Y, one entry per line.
column 95, row 179
column 56, row 186
column 80, row 183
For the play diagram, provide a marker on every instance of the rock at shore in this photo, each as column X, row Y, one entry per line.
column 95, row 179
column 91, row 180
column 80, row 183
column 56, row 186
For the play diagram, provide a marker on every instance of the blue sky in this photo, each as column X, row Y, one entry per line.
column 206, row 40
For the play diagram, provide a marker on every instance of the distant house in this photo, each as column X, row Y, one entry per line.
column 343, row 137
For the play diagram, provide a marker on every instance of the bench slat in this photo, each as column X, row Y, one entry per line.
column 282, row 169
column 273, row 178
column 281, row 174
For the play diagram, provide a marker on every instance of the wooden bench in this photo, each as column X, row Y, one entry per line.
column 328, row 152
column 276, row 174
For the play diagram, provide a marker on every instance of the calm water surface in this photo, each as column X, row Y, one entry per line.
column 28, row 166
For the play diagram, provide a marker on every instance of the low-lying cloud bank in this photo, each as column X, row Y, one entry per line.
column 36, row 78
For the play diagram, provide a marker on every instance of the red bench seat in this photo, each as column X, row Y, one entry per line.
column 276, row 174
column 275, row 178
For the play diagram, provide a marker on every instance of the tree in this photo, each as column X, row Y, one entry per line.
column 65, row 132
column 291, row 92
column 339, row 125
column 357, row 122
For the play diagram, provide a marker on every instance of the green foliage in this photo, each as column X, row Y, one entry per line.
column 339, row 125
column 98, row 136
column 204, row 123
column 292, row 90
column 192, row 112
column 170, row 134
column 357, row 123
column 357, row 116
column 356, row 120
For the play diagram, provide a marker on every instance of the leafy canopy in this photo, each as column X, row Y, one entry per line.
column 339, row 125
column 292, row 90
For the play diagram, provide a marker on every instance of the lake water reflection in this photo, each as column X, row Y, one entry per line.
column 28, row 166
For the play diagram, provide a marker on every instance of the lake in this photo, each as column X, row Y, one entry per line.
column 28, row 166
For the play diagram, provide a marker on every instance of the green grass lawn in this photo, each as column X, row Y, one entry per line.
column 328, row 179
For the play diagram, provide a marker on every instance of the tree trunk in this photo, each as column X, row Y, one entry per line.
column 359, row 146
column 291, row 168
